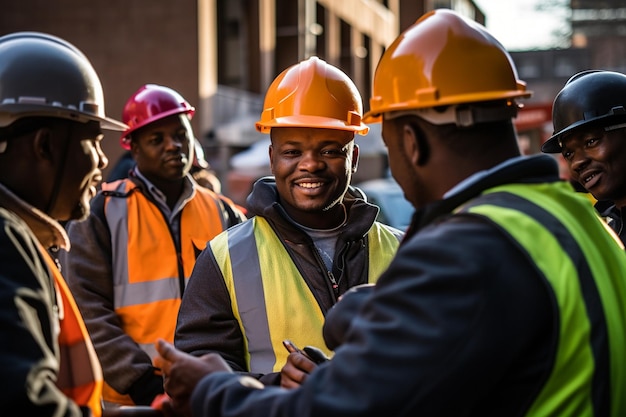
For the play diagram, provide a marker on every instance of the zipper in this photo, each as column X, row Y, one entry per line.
column 334, row 283
column 329, row 274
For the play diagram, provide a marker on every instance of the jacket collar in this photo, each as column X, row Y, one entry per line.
column 48, row 231
column 532, row 169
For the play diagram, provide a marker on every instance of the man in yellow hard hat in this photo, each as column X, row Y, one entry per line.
column 312, row 235
column 507, row 294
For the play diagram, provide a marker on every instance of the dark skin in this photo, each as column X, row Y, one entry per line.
column 163, row 151
column 597, row 159
column 313, row 169
column 34, row 161
column 297, row 368
column 182, row 372
column 428, row 160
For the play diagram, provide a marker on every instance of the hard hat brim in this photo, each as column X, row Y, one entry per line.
column 9, row 114
column 310, row 122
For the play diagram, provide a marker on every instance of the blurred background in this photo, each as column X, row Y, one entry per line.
column 221, row 55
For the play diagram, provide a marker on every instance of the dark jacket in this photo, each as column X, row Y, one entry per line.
column 29, row 316
column 461, row 324
column 206, row 322
column 614, row 218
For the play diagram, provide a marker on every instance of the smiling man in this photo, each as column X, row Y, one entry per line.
column 589, row 117
column 313, row 236
column 135, row 253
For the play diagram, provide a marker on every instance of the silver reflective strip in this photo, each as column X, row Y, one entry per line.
column 149, row 349
column 145, row 292
column 116, row 211
column 248, row 282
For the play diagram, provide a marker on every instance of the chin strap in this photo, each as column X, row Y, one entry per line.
column 58, row 178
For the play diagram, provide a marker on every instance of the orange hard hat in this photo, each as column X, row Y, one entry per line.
column 314, row 94
column 443, row 59
column 150, row 103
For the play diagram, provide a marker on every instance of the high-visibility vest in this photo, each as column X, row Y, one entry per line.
column 586, row 272
column 148, row 267
column 80, row 375
column 270, row 298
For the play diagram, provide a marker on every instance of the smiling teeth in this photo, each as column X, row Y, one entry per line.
column 589, row 178
column 310, row 184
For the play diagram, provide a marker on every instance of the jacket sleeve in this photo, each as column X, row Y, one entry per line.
column 448, row 330
column 28, row 330
column 233, row 213
column 126, row 367
column 206, row 322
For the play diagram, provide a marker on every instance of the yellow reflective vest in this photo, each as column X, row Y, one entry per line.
column 269, row 296
column 584, row 296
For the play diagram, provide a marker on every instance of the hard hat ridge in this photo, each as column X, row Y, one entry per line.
column 151, row 102
column 43, row 75
column 444, row 59
column 312, row 94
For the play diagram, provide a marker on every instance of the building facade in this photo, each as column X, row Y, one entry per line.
column 221, row 55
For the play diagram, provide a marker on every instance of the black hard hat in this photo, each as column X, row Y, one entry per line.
column 588, row 97
column 43, row 75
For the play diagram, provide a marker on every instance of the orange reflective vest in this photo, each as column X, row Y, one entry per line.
column 150, row 268
column 80, row 375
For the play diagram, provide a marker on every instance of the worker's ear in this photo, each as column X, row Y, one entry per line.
column 355, row 158
column 43, row 144
column 416, row 146
column 271, row 153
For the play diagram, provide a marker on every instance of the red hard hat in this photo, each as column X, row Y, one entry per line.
column 151, row 103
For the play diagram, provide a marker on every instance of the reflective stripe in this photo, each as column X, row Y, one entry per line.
column 248, row 287
column 80, row 375
column 116, row 212
column 269, row 306
column 576, row 273
column 137, row 293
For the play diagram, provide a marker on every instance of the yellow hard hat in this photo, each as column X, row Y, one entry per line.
column 314, row 94
column 443, row 59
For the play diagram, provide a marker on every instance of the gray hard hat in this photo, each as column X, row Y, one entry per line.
column 588, row 98
column 43, row 75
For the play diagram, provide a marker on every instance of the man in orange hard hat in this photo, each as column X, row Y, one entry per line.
column 506, row 296
column 312, row 236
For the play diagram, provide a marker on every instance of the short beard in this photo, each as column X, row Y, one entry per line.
column 81, row 211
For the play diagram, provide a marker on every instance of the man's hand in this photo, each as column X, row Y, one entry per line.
column 182, row 372
column 298, row 366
